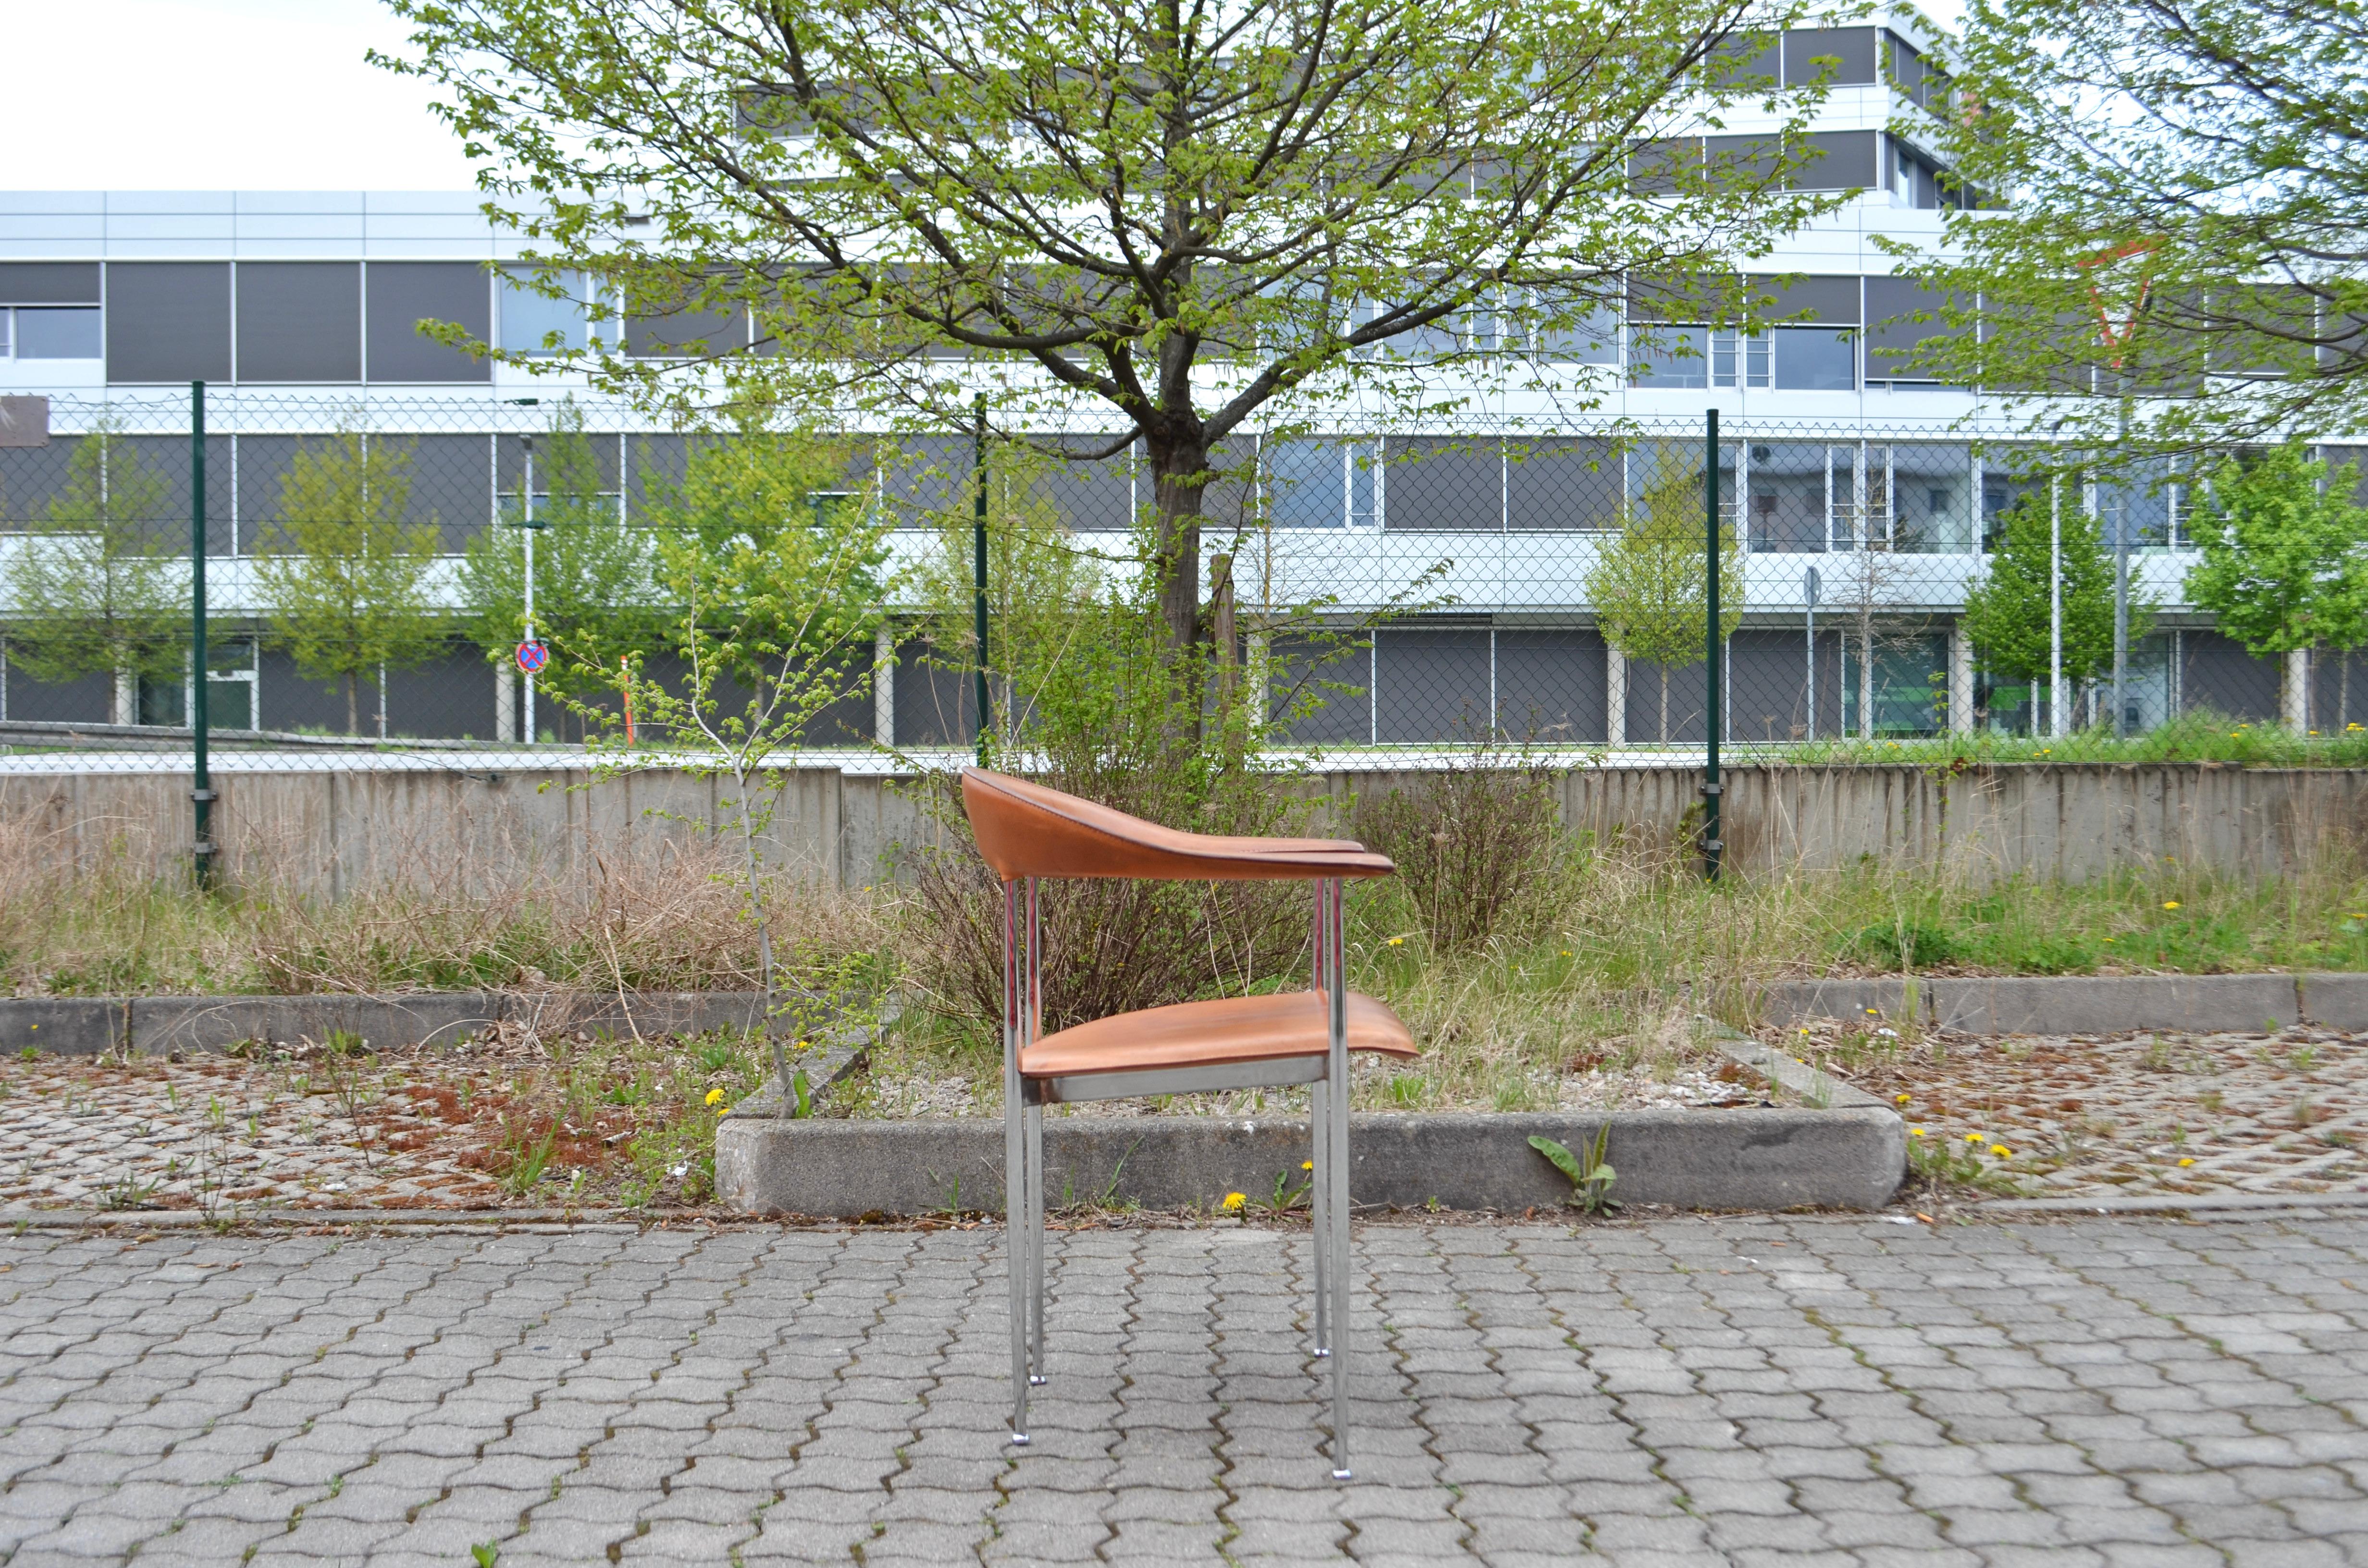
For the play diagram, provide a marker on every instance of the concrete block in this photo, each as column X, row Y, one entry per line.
column 160, row 1024
column 67, row 1026
column 2116, row 1003
column 1891, row 998
column 1760, row 1159
column 643, row 1012
column 2336, row 1001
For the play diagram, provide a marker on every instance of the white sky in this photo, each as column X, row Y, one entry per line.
column 230, row 95
column 215, row 95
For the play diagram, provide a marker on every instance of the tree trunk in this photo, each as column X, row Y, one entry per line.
column 1179, row 467
column 353, row 706
column 1665, row 703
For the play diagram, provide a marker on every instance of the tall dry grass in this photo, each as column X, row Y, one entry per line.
column 85, row 913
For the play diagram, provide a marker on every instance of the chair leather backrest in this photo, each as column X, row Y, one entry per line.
column 1027, row 830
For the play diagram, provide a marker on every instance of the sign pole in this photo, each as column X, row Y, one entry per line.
column 201, row 791
column 530, row 581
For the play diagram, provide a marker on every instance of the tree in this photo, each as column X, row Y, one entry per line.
column 769, row 596
column 592, row 588
column 2285, row 553
column 345, row 577
column 2185, row 185
column 96, row 587
column 2009, row 612
column 1650, row 585
column 1157, row 220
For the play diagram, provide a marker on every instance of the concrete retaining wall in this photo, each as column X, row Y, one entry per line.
column 332, row 830
column 2079, row 1005
column 1691, row 1159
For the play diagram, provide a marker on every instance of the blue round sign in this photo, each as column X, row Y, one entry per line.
column 532, row 655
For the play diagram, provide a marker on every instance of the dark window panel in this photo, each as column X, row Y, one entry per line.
column 49, row 283
column 449, row 697
column 402, row 294
column 168, row 321
column 1299, row 669
column 2220, row 674
column 928, row 480
column 90, row 699
column 167, row 457
column 1839, row 160
column 2339, row 691
column 32, row 477
column 1815, row 358
column 452, row 486
column 1685, row 703
column 285, row 701
column 1561, row 481
column 1849, row 52
column 299, row 321
column 1443, row 484
column 263, row 465
column 1655, row 168
column 1826, row 300
column 1096, row 495
column 706, row 334
column 1768, row 684
column 654, row 466
column 1736, row 61
column 1891, row 336
column 607, row 450
column 936, row 696
column 1550, row 686
column 1432, row 685
column 1740, row 161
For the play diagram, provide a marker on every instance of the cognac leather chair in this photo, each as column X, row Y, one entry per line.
column 1026, row 832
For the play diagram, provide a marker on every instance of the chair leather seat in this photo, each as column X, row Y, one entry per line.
column 1209, row 1034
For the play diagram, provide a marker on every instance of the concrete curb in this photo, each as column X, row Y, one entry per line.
column 1769, row 1159
column 2081, row 1003
column 2203, row 1203
column 152, row 1026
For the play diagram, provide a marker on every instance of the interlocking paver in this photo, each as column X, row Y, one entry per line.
column 1687, row 1391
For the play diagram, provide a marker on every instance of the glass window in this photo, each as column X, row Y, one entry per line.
column 5, row 317
column 529, row 318
column 1671, row 359
column 57, row 333
column 1815, row 358
column 1320, row 484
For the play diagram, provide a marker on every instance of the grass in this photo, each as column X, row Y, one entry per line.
column 1609, row 960
column 2198, row 736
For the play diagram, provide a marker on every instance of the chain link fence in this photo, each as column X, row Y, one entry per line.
column 1535, row 579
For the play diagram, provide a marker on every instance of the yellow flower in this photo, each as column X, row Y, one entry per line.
column 1970, row 1137
column 1400, row 941
column 1310, row 1165
column 2170, row 903
column 2108, row 940
column 2183, row 1162
column 715, row 1096
column 1913, row 1132
column 2002, row 1151
column 1566, row 951
column 1233, row 1201
column 1897, row 1099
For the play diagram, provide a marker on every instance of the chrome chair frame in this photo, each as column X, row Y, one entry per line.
column 1024, row 1099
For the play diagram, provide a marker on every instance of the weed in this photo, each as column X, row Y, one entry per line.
column 1591, row 1178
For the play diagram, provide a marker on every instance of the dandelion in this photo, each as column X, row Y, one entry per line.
column 1869, row 1012
column 1233, row 1201
column 2109, row 941
column 1970, row 1137
column 2170, row 903
column 715, row 1096
column 1310, row 1165
column 1913, row 1132
column 2185, row 1163
column 2002, row 1151
column 1397, row 941
column 1896, row 1099
column 1565, row 952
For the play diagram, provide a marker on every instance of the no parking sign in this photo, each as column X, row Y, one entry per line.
column 533, row 654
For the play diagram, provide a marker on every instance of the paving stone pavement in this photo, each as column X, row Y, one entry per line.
column 1839, row 1391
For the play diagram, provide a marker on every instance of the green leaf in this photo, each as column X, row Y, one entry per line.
column 1564, row 1159
column 485, row 1551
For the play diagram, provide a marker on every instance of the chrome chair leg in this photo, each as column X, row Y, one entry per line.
column 1319, row 1205
column 1337, row 1169
column 1015, row 1165
column 1035, row 1155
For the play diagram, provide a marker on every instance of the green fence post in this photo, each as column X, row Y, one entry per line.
column 978, row 578
column 201, row 793
column 1711, row 846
